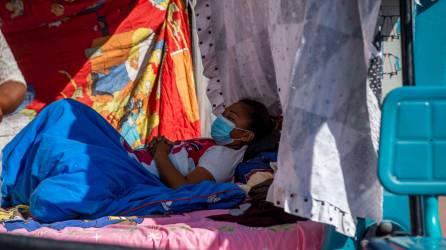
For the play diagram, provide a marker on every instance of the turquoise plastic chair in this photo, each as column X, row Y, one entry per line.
column 412, row 157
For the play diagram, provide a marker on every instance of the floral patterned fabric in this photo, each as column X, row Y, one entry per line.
column 191, row 231
column 130, row 60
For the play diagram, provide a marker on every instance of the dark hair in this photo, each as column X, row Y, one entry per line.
column 261, row 123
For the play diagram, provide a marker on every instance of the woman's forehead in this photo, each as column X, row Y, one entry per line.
column 239, row 108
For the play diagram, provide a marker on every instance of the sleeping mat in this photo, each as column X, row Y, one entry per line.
column 69, row 163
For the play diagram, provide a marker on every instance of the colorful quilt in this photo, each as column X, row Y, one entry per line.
column 19, row 217
column 130, row 60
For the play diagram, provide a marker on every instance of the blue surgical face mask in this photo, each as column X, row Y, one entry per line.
column 221, row 130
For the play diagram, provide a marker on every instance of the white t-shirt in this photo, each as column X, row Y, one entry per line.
column 8, row 66
column 220, row 161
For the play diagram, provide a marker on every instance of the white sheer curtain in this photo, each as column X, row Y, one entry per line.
column 236, row 51
column 201, row 82
column 311, row 56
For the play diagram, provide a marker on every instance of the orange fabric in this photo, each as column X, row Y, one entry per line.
column 129, row 60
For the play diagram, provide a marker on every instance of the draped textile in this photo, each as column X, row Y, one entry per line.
column 313, row 56
column 130, row 60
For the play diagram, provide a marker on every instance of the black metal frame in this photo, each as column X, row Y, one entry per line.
column 407, row 51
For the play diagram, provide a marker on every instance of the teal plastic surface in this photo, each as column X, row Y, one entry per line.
column 396, row 210
column 430, row 43
column 412, row 151
column 432, row 225
column 336, row 241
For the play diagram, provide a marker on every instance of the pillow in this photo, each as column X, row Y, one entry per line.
column 268, row 143
column 259, row 163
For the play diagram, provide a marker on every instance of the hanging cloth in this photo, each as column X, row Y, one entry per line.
column 328, row 150
column 312, row 57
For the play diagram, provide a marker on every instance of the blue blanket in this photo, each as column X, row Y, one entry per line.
column 68, row 163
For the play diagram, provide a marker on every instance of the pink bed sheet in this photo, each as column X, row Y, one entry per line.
column 192, row 231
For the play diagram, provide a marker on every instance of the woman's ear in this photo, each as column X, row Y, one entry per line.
column 247, row 136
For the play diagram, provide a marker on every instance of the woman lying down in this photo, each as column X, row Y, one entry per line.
column 69, row 163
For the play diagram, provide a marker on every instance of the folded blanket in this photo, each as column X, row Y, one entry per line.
column 31, row 225
column 69, row 163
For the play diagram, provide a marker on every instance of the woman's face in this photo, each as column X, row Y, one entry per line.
column 238, row 113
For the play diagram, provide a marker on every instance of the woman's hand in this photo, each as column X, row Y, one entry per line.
column 160, row 146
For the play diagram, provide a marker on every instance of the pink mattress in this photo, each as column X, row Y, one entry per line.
column 192, row 231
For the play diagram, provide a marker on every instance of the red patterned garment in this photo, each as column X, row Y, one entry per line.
column 195, row 149
column 130, row 60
